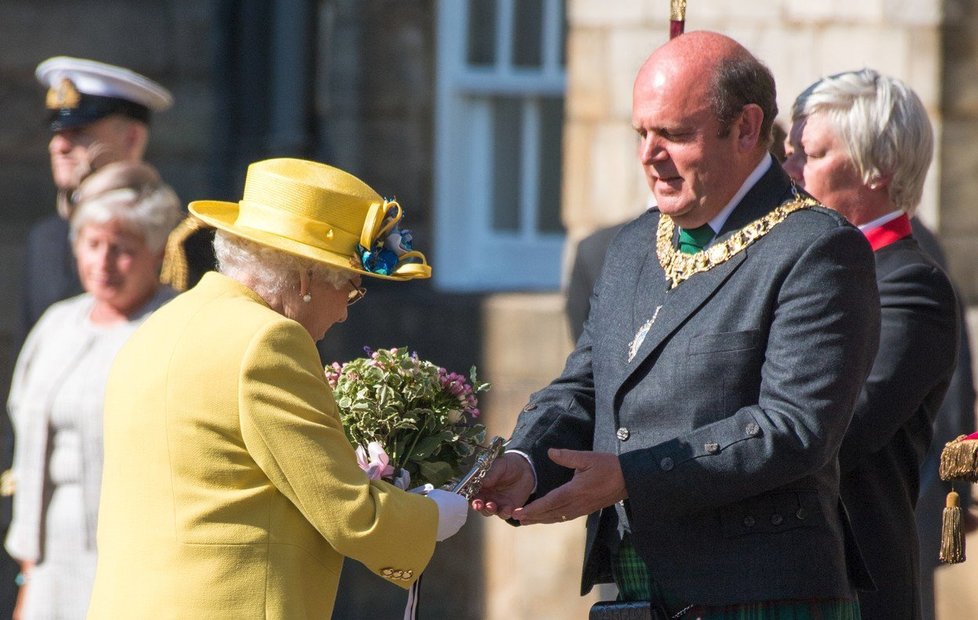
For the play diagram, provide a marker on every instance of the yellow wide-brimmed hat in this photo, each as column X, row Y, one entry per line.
column 318, row 212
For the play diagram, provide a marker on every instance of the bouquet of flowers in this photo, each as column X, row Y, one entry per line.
column 410, row 420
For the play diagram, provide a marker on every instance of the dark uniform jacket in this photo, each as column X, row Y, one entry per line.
column 891, row 427
column 729, row 419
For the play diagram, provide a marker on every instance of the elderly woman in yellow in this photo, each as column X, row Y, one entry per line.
column 119, row 226
column 230, row 490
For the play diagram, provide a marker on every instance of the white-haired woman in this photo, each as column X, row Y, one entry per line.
column 230, row 489
column 861, row 143
column 118, row 231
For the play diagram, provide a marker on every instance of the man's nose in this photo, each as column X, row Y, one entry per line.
column 650, row 150
column 60, row 143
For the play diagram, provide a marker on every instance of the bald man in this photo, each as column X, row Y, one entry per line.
column 697, row 424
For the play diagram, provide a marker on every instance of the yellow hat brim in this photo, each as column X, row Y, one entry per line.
column 223, row 215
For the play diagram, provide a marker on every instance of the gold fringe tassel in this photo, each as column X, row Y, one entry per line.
column 959, row 460
column 952, row 536
column 175, row 271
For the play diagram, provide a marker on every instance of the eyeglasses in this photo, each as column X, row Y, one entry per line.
column 356, row 294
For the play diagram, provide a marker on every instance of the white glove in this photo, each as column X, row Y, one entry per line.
column 453, row 510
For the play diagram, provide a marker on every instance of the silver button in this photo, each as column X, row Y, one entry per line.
column 749, row 521
column 666, row 464
column 753, row 429
column 776, row 519
column 622, row 434
column 711, row 447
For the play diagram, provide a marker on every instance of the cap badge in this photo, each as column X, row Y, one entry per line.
column 63, row 96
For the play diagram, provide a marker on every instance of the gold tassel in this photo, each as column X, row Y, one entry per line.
column 959, row 460
column 174, row 271
column 952, row 536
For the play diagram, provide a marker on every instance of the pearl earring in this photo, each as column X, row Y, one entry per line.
column 307, row 298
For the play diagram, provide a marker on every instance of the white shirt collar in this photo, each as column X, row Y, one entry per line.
column 721, row 218
column 889, row 217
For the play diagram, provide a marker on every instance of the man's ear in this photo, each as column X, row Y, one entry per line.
column 136, row 139
column 748, row 127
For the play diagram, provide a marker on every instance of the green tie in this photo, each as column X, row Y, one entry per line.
column 693, row 240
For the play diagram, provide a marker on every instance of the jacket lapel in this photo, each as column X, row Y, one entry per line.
column 672, row 309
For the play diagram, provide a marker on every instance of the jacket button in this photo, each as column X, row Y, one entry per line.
column 753, row 429
column 666, row 464
column 711, row 447
column 776, row 519
column 408, row 574
column 387, row 572
column 622, row 434
column 749, row 521
column 801, row 515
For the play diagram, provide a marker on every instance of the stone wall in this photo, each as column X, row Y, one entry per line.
column 800, row 40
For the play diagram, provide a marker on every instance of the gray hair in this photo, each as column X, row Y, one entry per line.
column 883, row 124
column 269, row 271
column 151, row 210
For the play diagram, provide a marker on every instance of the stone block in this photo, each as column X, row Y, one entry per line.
column 960, row 71
column 927, row 13
column 577, row 173
column 593, row 13
column 959, row 183
column 923, row 72
column 525, row 340
column 846, row 47
column 628, row 49
column 756, row 11
column 834, row 11
column 616, row 179
column 961, row 251
column 588, row 88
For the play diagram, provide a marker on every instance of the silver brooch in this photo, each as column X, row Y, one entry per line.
column 640, row 335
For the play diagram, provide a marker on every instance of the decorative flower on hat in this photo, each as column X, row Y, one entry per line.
column 388, row 245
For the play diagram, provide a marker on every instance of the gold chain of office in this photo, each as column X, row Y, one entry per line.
column 679, row 267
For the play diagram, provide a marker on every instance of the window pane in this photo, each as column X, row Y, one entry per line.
column 482, row 32
column 551, row 125
column 507, row 128
column 527, row 33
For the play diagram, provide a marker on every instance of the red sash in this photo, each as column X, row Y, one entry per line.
column 894, row 230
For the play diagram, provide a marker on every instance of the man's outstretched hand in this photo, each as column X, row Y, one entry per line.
column 506, row 487
column 597, row 483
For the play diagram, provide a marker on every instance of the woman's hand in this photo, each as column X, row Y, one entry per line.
column 23, row 580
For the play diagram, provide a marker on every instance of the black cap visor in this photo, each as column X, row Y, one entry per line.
column 91, row 108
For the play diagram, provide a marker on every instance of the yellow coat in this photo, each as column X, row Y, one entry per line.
column 229, row 489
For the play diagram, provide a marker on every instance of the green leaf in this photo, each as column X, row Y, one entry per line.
column 427, row 445
column 436, row 472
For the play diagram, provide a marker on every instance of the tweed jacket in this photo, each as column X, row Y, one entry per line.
column 891, row 428
column 230, row 489
column 728, row 420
